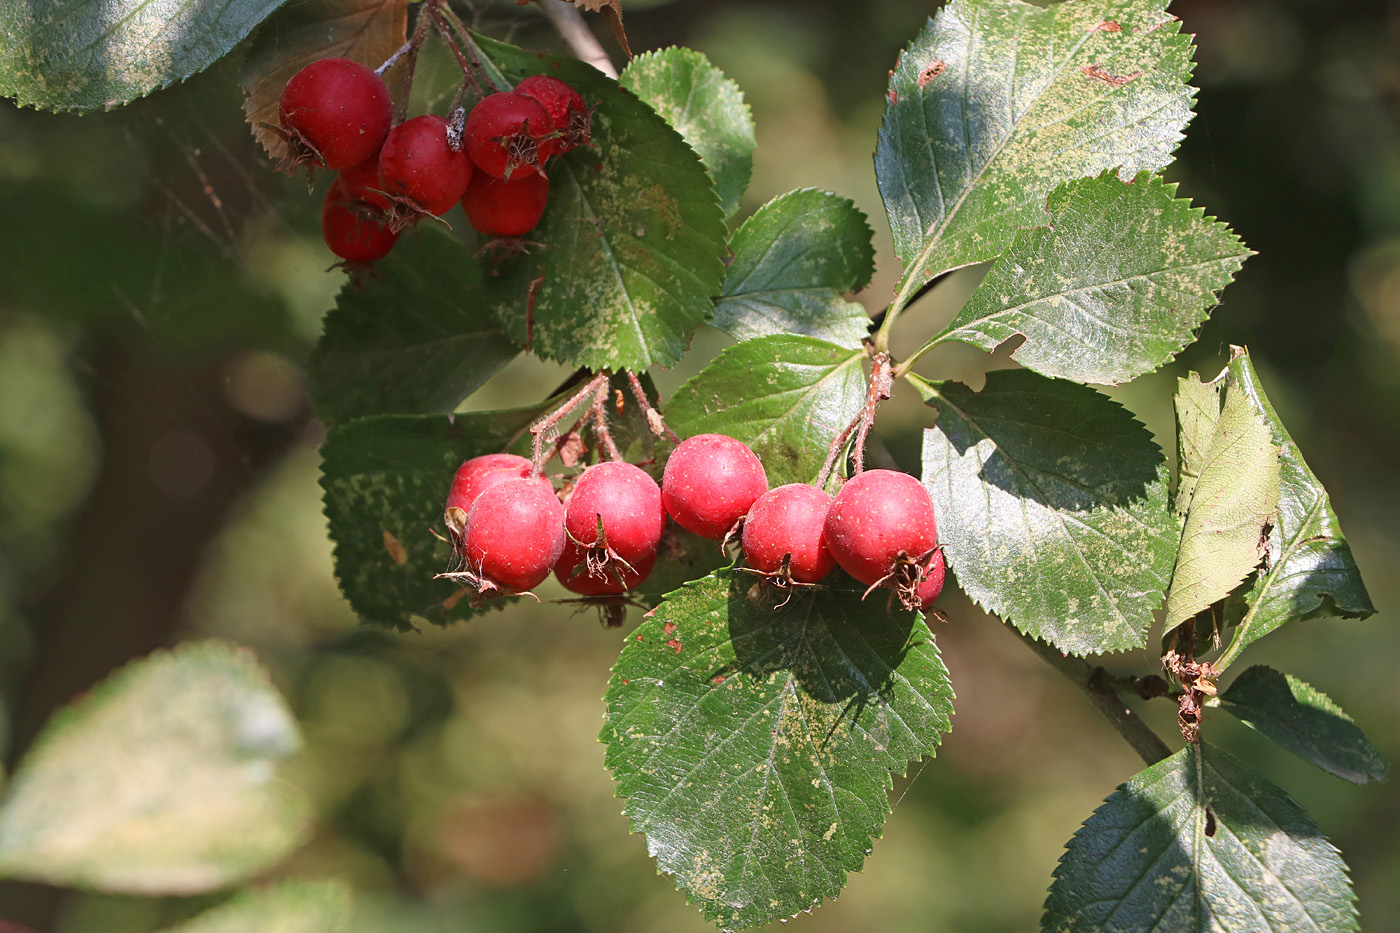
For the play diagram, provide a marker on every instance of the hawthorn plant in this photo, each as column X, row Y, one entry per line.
column 756, row 715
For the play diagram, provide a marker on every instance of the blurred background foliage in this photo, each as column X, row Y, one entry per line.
column 160, row 287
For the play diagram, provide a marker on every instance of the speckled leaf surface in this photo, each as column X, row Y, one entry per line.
column 997, row 102
column 1052, row 508
column 786, row 397
column 792, row 261
column 1305, row 721
column 1234, row 493
column 1113, row 286
column 706, row 108
column 1309, row 570
column 630, row 252
column 755, row 747
column 1197, row 843
column 385, row 479
column 88, row 54
column 289, row 907
column 415, row 337
column 161, row 780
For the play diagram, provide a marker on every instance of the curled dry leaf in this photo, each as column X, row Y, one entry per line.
column 612, row 12
column 367, row 31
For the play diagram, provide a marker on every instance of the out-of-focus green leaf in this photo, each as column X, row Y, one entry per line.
column 631, row 249
column 997, row 102
column 787, row 397
column 755, row 746
column 161, row 780
column 86, row 54
column 791, row 259
column 1305, row 721
column 1111, row 288
column 1197, row 843
column 1052, row 508
column 415, row 338
column 290, row 907
column 705, row 107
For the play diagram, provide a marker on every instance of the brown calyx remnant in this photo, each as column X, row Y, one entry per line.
column 1197, row 679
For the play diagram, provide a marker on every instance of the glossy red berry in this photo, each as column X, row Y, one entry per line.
column 505, row 208
column 417, row 163
column 477, row 475
column 616, row 506
column 351, row 229
column 336, row 112
column 514, row 535
column 614, row 581
column 504, row 132
column 360, row 182
column 878, row 519
column 567, row 111
column 789, row 520
column 931, row 580
column 710, row 482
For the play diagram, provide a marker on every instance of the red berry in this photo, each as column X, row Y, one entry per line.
column 878, row 519
column 567, row 112
column 336, row 113
column 505, row 208
column 615, row 580
column 789, row 520
column 504, row 132
column 360, row 182
column 625, row 502
column 477, row 475
column 350, row 229
column 931, row 581
column 710, row 482
column 417, row 163
column 514, row 534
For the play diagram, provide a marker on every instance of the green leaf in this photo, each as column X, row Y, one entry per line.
column 385, row 480
column 416, row 338
column 791, row 258
column 997, row 102
column 161, row 780
column 1305, row 721
column 705, row 107
column 1199, row 843
column 289, row 907
column 633, row 240
column 67, row 55
column 755, row 746
column 787, row 397
column 1309, row 570
column 1111, row 288
column 1234, row 495
column 1052, row 508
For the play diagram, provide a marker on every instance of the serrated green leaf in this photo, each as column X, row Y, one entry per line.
column 1234, row 496
column 787, row 397
column 1309, row 570
column 1197, row 412
column 415, row 338
column 65, row 55
column 705, row 107
column 997, row 102
column 385, row 479
column 161, row 780
column 1197, row 843
column 632, row 243
column 755, row 746
column 1052, row 508
column 1305, row 721
column 289, row 907
column 791, row 258
column 1112, row 288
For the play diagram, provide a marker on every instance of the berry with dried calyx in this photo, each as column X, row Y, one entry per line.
column 615, row 517
column 566, row 109
column 513, row 537
column 477, row 475
column 786, row 524
column 504, row 133
column 710, row 482
column 352, row 229
column 334, row 112
column 880, row 527
column 419, row 165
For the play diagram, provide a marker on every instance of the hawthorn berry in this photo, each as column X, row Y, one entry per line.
column 789, row 520
column 615, row 515
column 881, row 524
column 360, row 182
column 710, row 482
column 418, row 164
column 335, row 112
column 614, row 581
column 505, row 208
column 567, row 112
column 514, row 535
column 504, row 133
column 351, row 228
column 477, row 475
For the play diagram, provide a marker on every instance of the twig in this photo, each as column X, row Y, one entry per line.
column 881, row 385
column 568, row 22
column 600, row 423
column 655, row 422
column 542, row 427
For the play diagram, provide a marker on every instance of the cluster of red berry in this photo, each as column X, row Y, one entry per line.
column 511, row 529
column 336, row 113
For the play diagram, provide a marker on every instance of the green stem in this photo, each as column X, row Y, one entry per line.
column 904, row 367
